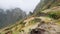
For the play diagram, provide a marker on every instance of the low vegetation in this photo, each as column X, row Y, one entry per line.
column 46, row 19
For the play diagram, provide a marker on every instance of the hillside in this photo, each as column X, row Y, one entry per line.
column 46, row 4
column 45, row 20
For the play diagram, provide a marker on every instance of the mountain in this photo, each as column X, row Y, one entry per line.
column 46, row 4
column 44, row 20
column 10, row 16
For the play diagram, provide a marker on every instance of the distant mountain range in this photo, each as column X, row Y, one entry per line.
column 10, row 16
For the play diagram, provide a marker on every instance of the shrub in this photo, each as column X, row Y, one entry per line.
column 53, row 15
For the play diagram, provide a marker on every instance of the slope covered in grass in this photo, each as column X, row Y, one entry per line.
column 45, row 20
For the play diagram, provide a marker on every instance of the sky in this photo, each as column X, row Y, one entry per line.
column 25, row 5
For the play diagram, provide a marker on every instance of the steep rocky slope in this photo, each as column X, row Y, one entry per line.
column 44, row 23
column 46, row 4
column 49, row 23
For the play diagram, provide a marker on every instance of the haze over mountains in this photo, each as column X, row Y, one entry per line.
column 14, row 10
column 26, row 5
column 10, row 16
